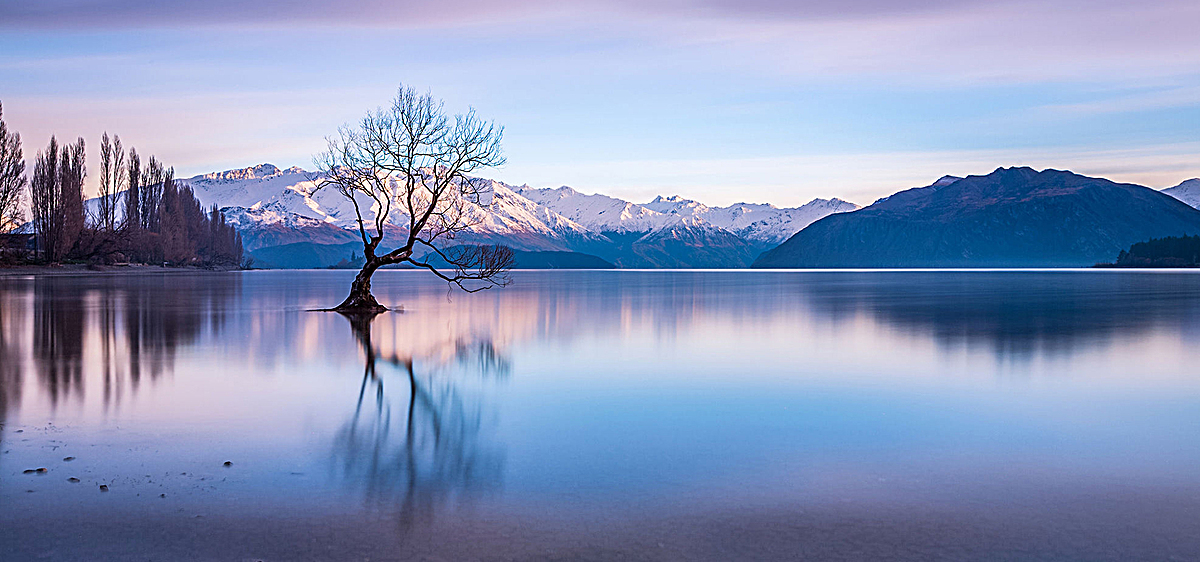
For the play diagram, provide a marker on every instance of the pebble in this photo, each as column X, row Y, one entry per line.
column 228, row 463
column 68, row 459
column 104, row 487
column 72, row 479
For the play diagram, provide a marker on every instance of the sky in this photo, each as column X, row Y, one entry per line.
column 716, row 100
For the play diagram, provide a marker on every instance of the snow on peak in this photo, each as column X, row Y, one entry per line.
column 268, row 195
column 260, row 171
column 1188, row 191
column 945, row 180
column 599, row 213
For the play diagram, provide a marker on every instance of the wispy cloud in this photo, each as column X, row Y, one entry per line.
column 860, row 177
column 708, row 98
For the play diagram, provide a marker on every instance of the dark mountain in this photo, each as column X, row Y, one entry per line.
column 310, row 255
column 675, row 246
column 536, row 259
column 265, row 227
column 557, row 260
column 1013, row 217
column 304, row 255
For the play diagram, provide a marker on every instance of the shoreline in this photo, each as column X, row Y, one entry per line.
column 87, row 269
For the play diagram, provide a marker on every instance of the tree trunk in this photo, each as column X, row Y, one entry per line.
column 360, row 298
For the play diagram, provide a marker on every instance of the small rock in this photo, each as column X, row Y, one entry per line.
column 104, row 487
column 73, row 479
column 19, row 431
column 68, row 459
column 41, row 470
column 28, row 471
column 162, row 495
column 228, row 463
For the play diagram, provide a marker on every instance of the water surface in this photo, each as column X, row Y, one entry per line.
column 603, row 415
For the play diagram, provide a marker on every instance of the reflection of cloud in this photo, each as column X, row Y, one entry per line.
column 863, row 177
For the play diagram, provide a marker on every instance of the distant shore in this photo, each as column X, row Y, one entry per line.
column 91, row 269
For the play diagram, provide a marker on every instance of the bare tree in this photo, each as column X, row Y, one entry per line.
column 71, row 173
column 154, row 177
column 408, row 165
column 12, row 177
column 112, row 179
column 133, row 194
column 46, row 201
column 57, row 197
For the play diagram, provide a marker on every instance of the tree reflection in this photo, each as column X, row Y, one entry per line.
column 420, row 445
column 106, row 332
column 58, row 315
column 11, row 375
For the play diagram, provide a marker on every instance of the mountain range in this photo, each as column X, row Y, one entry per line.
column 1012, row 217
column 285, row 221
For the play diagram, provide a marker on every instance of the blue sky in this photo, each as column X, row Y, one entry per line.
column 721, row 101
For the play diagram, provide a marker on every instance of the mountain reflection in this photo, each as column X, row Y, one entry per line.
column 1014, row 314
column 70, row 341
column 416, row 440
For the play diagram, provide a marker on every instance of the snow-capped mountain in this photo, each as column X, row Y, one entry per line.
column 1188, row 192
column 272, row 207
column 759, row 222
column 264, row 198
column 754, row 221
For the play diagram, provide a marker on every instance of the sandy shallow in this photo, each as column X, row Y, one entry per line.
column 1100, row 528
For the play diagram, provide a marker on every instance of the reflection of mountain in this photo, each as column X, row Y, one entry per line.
column 1008, row 312
column 110, row 332
column 416, row 440
column 1013, row 313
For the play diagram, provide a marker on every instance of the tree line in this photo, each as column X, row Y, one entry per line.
column 1170, row 251
column 141, row 214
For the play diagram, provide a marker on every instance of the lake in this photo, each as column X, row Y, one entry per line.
column 603, row 415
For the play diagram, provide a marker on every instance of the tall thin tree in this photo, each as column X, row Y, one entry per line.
column 112, row 180
column 153, row 178
column 47, row 201
column 133, row 194
column 71, row 174
column 12, row 177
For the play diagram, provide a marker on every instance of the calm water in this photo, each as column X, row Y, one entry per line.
column 603, row 415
